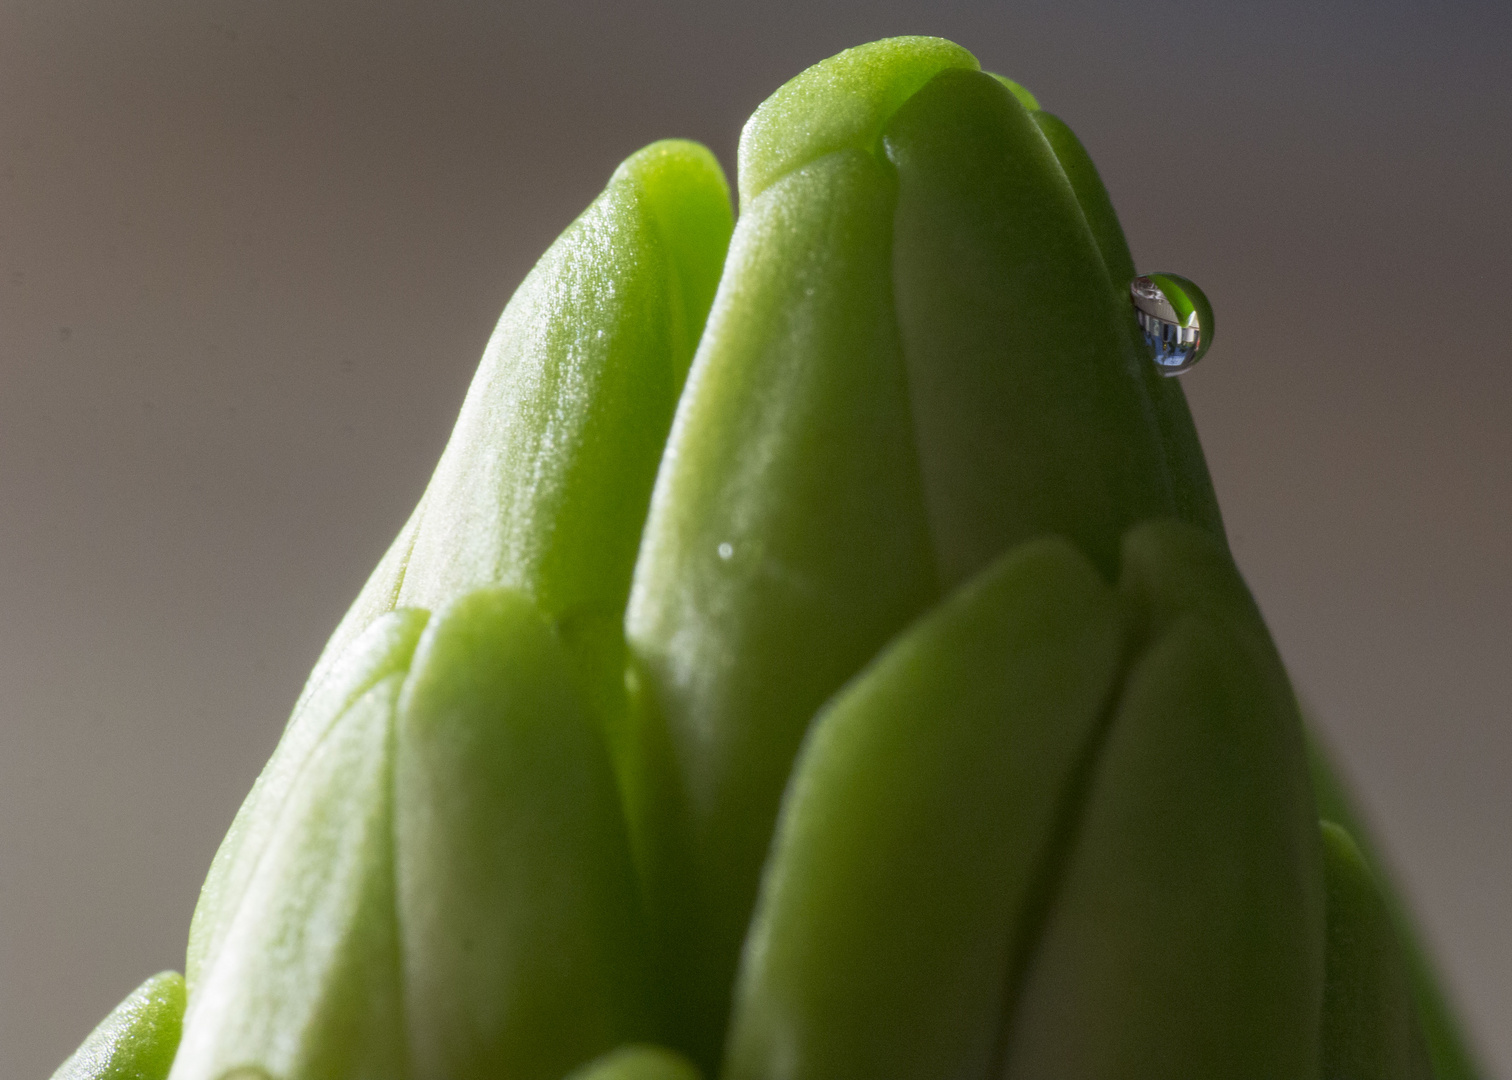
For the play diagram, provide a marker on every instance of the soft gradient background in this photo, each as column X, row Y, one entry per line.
column 250, row 252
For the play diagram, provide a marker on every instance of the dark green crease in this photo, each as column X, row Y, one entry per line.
column 1051, row 873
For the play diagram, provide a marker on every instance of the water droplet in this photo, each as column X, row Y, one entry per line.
column 1176, row 318
column 726, row 551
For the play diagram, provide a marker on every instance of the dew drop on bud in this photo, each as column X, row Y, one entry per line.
column 1176, row 318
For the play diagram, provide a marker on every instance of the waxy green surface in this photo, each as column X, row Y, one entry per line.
column 792, row 453
column 544, row 483
column 905, row 880
column 305, row 981
column 446, row 889
column 1186, row 935
column 1191, row 487
column 1027, row 402
column 1370, row 1022
column 383, row 650
column 816, row 655
column 916, row 360
column 137, row 1040
column 1448, row 1051
column 523, row 948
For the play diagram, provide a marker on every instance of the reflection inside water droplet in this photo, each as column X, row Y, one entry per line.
column 726, row 551
column 1176, row 318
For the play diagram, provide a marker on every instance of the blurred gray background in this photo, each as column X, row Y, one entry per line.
column 250, row 252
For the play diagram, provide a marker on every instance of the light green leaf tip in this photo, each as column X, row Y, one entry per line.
column 843, row 102
column 1026, row 99
column 137, row 1040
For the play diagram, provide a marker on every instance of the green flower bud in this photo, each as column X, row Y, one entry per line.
column 916, row 361
column 840, row 673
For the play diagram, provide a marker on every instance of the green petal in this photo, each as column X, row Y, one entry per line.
column 1028, row 398
column 1186, row 937
column 638, row 1063
column 1192, row 487
column 1025, row 98
column 839, row 104
column 1091, row 196
column 1170, row 568
column 1449, row 1049
column 517, row 899
column 137, row 1040
column 545, row 482
column 305, row 982
column 1370, row 1022
column 383, row 649
column 786, row 543
column 917, row 829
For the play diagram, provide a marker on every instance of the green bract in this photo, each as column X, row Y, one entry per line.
column 816, row 657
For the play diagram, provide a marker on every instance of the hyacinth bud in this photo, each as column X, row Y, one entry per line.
column 817, row 656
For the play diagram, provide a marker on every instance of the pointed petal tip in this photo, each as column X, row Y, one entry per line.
column 1019, row 91
column 841, row 102
column 137, row 1040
